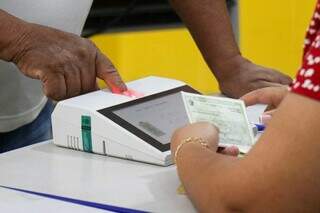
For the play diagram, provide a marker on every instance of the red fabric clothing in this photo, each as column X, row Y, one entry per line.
column 307, row 81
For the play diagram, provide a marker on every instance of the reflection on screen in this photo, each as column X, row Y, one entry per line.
column 158, row 117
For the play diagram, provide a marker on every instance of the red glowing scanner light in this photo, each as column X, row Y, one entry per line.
column 132, row 93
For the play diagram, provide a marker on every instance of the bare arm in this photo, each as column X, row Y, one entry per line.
column 209, row 24
column 282, row 169
column 66, row 64
column 12, row 31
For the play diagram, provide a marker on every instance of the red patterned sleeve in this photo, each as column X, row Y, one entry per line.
column 307, row 81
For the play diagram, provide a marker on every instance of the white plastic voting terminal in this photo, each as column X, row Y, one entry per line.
column 105, row 123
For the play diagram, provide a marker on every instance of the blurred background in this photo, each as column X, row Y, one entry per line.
column 145, row 37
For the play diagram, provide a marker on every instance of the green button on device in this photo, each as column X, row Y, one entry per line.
column 86, row 133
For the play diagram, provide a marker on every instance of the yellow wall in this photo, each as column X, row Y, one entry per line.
column 165, row 52
column 272, row 32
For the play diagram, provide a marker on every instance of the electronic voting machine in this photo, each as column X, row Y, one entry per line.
column 116, row 125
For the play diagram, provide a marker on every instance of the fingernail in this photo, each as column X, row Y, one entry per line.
column 265, row 118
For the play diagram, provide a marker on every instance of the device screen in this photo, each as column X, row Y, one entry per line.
column 158, row 117
column 153, row 118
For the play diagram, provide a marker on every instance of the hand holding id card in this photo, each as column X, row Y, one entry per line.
column 229, row 115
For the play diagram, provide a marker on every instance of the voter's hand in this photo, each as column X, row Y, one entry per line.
column 272, row 96
column 66, row 64
column 243, row 76
column 207, row 132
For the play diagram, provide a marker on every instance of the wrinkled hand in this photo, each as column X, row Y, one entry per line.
column 204, row 130
column 66, row 64
column 243, row 76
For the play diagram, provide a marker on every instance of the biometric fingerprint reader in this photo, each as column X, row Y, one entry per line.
column 126, row 126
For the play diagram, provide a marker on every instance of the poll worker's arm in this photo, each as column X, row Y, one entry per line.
column 66, row 64
column 280, row 174
column 209, row 24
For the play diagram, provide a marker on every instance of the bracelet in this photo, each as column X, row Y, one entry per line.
column 201, row 141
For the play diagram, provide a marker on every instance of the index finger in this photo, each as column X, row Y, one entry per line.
column 269, row 95
column 107, row 72
column 260, row 96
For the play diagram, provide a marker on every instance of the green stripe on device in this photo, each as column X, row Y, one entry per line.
column 86, row 133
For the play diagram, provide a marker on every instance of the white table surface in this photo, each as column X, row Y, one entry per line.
column 59, row 171
column 50, row 169
column 17, row 202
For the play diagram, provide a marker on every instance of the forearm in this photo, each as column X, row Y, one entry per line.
column 199, row 169
column 282, row 168
column 13, row 32
column 210, row 26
